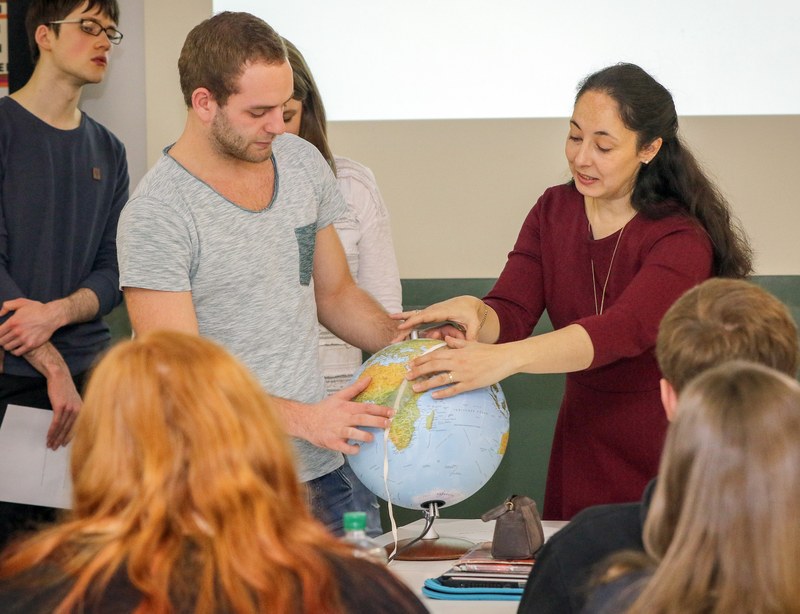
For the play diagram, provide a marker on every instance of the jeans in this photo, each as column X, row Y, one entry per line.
column 365, row 500
column 340, row 491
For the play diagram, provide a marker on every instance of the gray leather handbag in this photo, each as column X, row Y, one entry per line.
column 518, row 532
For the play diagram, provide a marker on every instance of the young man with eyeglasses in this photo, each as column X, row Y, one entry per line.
column 63, row 183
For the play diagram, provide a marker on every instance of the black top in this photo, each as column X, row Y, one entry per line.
column 364, row 587
column 559, row 581
column 616, row 596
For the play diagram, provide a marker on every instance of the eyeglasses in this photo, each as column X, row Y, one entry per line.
column 90, row 26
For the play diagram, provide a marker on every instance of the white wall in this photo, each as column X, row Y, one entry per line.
column 167, row 22
column 139, row 100
column 478, row 59
column 119, row 101
column 458, row 190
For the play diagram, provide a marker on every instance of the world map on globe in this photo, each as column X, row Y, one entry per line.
column 441, row 450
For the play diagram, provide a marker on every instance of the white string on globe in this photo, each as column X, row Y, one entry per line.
column 396, row 406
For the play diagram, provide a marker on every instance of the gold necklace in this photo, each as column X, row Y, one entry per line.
column 599, row 310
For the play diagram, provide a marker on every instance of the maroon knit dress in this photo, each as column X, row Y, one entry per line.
column 611, row 423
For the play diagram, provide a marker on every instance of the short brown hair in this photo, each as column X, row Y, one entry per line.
column 216, row 51
column 725, row 319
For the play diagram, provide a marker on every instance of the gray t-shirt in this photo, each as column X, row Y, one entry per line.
column 249, row 272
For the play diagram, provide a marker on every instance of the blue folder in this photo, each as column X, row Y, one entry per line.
column 436, row 590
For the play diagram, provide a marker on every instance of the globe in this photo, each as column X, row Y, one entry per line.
column 441, row 450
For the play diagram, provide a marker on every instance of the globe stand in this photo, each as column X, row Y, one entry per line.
column 430, row 546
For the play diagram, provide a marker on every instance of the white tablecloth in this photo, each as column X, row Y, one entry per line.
column 414, row 573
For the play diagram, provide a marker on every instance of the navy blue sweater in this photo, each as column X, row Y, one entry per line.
column 61, row 193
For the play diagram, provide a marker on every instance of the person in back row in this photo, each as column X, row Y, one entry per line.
column 722, row 534
column 230, row 236
column 186, row 499
column 366, row 238
column 63, row 183
column 719, row 320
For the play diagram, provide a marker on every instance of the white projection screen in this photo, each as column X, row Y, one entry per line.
column 456, row 59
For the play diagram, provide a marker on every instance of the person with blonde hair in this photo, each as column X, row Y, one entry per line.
column 718, row 320
column 722, row 527
column 186, row 498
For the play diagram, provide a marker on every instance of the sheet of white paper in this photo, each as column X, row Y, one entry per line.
column 29, row 471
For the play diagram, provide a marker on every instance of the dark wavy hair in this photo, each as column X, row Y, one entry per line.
column 42, row 12
column 673, row 182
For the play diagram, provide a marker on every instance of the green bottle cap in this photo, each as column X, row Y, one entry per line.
column 354, row 521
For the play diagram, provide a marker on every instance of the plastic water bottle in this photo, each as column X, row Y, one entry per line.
column 355, row 524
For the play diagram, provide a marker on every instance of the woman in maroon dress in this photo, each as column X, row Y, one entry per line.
column 606, row 255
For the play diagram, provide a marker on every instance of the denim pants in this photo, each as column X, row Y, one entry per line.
column 340, row 491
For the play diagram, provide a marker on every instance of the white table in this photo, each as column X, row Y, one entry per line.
column 414, row 573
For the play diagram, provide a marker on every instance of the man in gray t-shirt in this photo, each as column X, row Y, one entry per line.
column 230, row 236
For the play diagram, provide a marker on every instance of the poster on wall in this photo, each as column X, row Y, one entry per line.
column 3, row 48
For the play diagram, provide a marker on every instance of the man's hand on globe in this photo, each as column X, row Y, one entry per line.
column 337, row 420
column 436, row 449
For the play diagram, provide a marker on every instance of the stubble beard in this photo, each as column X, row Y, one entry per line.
column 230, row 144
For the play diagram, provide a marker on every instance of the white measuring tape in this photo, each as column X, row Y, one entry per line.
column 401, row 390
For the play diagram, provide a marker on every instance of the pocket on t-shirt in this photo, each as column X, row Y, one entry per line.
column 306, row 240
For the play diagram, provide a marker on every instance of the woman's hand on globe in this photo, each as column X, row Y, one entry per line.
column 465, row 311
column 462, row 366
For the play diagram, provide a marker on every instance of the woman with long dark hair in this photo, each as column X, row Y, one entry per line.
column 605, row 255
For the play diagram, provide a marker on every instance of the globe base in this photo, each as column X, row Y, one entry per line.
column 438, row 549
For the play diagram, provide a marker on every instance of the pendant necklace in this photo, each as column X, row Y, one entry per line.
column 599, row 309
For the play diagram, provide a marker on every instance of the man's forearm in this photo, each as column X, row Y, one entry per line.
column 47, row 360
column 33, row 323
column 293, row 416
column 359, row 319
column 80, row 306
column 65, row 400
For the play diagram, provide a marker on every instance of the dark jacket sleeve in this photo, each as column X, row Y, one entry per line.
column 616, row 596
column 104, row 277
column 562, row 573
